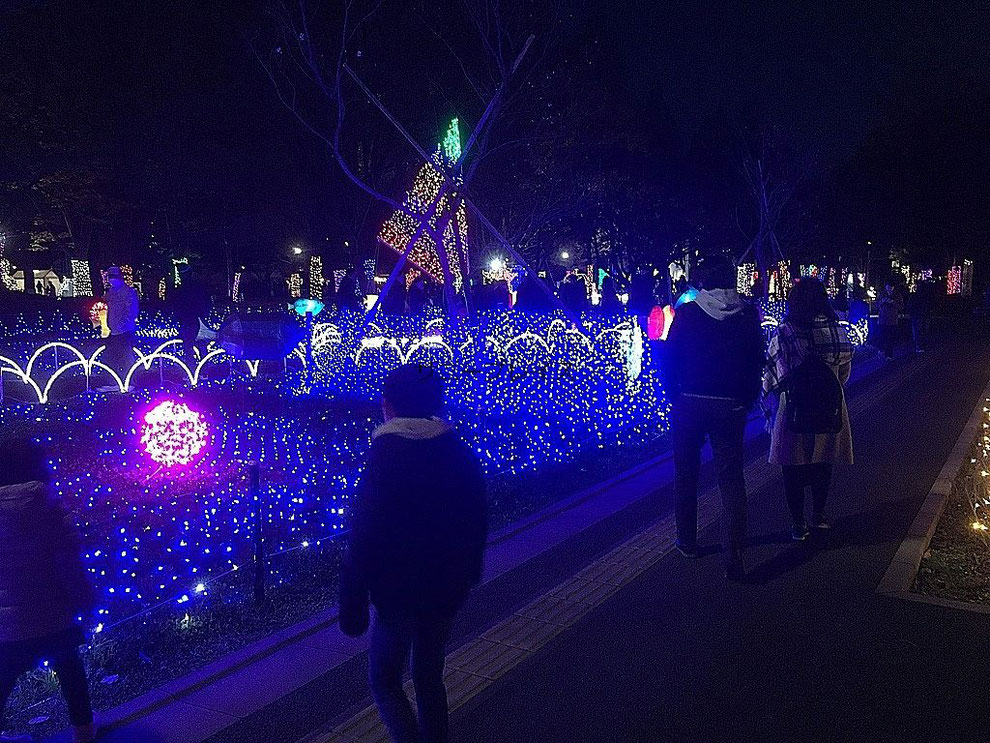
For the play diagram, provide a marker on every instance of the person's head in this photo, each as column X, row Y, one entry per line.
column 807, row 300
column 717, row 272
column 412, row 391
column 25, row 461
column 115, row 277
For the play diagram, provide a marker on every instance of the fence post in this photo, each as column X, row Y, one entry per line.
column 260, row 569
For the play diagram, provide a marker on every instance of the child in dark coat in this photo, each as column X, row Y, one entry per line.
column 43, row 586
column 418, row 533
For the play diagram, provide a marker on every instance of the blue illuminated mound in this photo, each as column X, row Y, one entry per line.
column 154, row 533
column 525, row 389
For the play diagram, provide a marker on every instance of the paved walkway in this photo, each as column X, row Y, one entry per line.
column 805, row 650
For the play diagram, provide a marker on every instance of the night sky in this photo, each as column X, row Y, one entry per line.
column 831, row 70
column 172, row 93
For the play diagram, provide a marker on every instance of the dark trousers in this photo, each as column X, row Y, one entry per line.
column 188, row 332
column 724, row 423
column 799, row 477
column 392, row 642
column 887, row 339
column 119, row 355
column 919, row 331
column 61, row 650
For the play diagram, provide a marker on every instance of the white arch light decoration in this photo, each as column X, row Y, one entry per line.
column 90, row 364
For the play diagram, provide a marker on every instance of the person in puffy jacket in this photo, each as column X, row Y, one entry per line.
column 417, row 537
column 43, row 585
column 713, row 363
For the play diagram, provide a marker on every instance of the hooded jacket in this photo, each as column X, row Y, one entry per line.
column 43, row 584
column 715, row 348
column 419, row 523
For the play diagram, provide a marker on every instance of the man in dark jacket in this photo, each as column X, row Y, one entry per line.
column 714, row 362
column 43, row 585
column 418, row 533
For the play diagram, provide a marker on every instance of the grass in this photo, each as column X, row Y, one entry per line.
column 957, row 563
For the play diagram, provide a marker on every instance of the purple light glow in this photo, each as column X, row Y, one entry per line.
column 173, row 433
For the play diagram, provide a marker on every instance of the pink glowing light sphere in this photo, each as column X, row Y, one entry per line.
column 173, row 433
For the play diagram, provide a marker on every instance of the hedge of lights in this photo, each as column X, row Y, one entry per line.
column 157, row 480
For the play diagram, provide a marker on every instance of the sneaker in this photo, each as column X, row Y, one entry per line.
column 735, row 568
column 688, row 552
column 799, row 532
column 818, row 521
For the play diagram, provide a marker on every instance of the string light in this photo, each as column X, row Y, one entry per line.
column 172, row 433
column 316, row 276
column 98, row 313
column 6, row 269
column 966, row 278
column 525, row 391
column 832, row 285
column 745, row 278
column 400, row 227
column 82, row 285
column 978, row 489
column 295, row 285
column 499, row 270
column 953, row 283
column 128, row 274
column 176, row 273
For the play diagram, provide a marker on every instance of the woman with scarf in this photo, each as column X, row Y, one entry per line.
column 810, row 327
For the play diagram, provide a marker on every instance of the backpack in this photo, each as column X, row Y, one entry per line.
column 814, row 398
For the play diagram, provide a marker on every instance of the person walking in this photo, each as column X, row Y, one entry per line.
column 43, row 587
column 350, row 294
column 920, row 307
column 714, row 355
column 191, row 302
column 809, row 362
column 889, row 307
column 641, row 292
column 122, row 315
column 418, row 533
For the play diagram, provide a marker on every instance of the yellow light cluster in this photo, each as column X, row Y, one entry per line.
column 402, row 225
